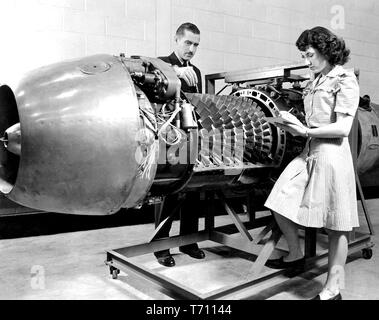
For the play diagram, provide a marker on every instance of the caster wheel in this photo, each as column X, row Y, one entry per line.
column 367, row 253
column 114, row 272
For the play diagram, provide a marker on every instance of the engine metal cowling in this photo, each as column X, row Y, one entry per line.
column 79, row 120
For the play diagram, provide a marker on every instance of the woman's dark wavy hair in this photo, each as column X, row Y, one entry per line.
column 332, row 47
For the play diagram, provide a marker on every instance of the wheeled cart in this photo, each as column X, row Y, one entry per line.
column 257, row 240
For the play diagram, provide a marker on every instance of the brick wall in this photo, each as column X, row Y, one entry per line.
column 236, row 34
column 39, row 32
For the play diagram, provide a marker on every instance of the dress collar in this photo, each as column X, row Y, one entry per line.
column 338, row 70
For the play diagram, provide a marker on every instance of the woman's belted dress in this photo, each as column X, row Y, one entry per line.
column 318, row 188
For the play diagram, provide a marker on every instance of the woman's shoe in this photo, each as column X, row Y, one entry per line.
column 336, row 297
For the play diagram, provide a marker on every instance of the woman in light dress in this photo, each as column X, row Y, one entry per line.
column 317, row 189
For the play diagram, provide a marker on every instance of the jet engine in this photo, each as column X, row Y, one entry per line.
column 93, row 135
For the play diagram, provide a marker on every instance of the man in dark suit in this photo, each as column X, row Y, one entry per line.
column 187, row 39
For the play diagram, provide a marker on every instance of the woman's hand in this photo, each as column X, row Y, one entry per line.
column 295, row 130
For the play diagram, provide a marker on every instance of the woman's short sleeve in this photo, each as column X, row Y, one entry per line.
column 347, row 97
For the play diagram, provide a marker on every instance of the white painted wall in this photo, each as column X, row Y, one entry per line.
column 235, row 34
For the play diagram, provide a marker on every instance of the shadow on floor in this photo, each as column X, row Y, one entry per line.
column 37, row 224
column 52, row 223
column 304, row 286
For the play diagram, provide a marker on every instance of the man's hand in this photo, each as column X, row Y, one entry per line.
column 187, row 74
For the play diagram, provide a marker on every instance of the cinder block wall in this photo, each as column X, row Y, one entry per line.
column 235, row 34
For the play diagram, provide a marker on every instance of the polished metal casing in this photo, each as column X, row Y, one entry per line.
column 368, row 153
column 79, row 120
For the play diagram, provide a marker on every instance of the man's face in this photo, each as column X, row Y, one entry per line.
column 187, row 44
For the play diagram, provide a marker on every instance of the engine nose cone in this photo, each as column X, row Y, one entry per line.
column 9, row 161
column 12, row 139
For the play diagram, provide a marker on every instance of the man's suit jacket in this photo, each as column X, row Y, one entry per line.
column 173, row 60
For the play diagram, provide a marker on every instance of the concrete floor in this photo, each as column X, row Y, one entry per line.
column 71, row 266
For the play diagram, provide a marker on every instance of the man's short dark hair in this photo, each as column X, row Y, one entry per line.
column 187, row 26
